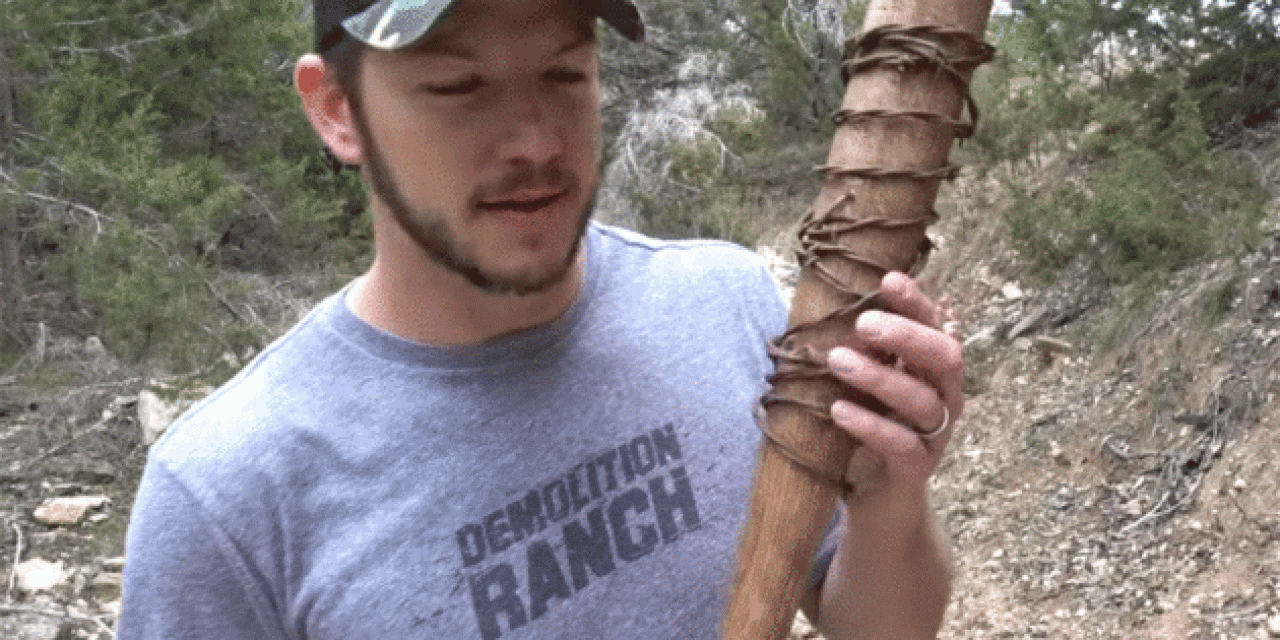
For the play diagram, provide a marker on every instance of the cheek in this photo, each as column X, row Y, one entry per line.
column 428, row 158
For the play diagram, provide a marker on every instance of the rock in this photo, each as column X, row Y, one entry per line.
column 94, row 472
column 155, row 415
column 1011, row 291
column 67, row 510
column 111, row 608
column 93, row 347
column 982, row 340
column 1028, row 323
column 1273, row 626
column 36, row 575
column 1058, row 455
column 40, row 349
column 31, row 626
column 1053, row 345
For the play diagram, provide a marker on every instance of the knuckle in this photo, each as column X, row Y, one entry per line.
column 952, row 359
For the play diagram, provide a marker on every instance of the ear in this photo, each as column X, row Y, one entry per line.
column 327, row 108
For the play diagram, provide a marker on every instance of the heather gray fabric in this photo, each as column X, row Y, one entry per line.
column 583, row 479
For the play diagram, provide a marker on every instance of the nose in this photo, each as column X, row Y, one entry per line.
column 531, row 131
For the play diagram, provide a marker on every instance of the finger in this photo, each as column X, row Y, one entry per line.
column 918, row 403
column 902, row 295
column 927, row 353
column 903, row 451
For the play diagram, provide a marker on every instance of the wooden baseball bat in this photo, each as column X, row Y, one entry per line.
column 905, row 100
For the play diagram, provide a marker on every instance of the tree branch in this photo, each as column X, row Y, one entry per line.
column 93, row 213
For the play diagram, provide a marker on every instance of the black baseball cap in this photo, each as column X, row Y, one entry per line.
column 394, row 24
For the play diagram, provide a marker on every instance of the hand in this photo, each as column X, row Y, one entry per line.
column 921, row 385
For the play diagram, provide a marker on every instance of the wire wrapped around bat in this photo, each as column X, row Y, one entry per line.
column 902, row 48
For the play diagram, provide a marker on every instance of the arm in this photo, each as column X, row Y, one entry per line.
column 184, row 577
column 891, row 576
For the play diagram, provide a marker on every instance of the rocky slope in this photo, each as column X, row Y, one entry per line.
column 1113, row 476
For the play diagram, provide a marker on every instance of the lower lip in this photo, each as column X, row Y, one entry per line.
column 529, row 220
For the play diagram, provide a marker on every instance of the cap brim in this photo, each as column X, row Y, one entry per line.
column 395, row 24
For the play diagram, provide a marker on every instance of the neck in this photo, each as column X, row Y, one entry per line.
column 409, row 295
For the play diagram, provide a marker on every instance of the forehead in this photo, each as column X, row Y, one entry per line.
column 474, row 24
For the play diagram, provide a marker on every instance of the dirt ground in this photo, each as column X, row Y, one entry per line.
column 1115, row 481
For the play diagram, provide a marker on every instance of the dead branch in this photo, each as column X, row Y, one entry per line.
column 271, row 215
column 97, row 216
column 49, row 613
column 17, row 557
column 87, row 23
column 122, row 51
column 223, row 301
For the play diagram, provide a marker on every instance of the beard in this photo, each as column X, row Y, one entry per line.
column 431, row 231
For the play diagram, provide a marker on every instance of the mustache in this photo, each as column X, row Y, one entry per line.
column 526, row 178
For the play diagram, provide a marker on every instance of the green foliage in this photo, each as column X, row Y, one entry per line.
column 1130, row 98
column 1135, row 305
column 1150, row 201
column 720, row 212
column 745, row 132
column 1218, row 300
column 696, row 163
column 174, row 132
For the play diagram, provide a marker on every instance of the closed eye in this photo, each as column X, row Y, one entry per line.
column 463, row 87
column 566, row 76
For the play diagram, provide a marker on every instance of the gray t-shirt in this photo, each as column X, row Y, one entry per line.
column 586, row 478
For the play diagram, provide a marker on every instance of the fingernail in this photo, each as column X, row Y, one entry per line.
column 867, row 322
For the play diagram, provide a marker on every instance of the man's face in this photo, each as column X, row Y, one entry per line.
column 481, row 141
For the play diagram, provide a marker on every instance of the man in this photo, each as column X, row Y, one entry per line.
column 517, row 423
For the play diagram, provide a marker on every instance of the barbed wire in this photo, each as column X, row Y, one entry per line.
column 824, row 235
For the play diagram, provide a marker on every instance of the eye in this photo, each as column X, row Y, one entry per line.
column 565, row 76
column 460, row 88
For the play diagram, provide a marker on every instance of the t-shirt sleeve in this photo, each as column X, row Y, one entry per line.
column 184, row 577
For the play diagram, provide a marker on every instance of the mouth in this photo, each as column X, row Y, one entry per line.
column 521, row 205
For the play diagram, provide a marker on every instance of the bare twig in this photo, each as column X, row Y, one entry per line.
column 256, row 198
column 97, row 216
column 50, row 613
column 56, row 449
column 17, row 557
column 102, row 625
column 121, row 50
column 223, row 301
column 86, row 23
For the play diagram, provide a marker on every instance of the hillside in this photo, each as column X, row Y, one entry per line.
column 1113, row 478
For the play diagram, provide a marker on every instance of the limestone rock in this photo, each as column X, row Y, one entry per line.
column 31, row 626
column 36, row 575
column 93, row 347
column 67, row 510
column 982, row 340
column 155, row 415
column 1028, row 323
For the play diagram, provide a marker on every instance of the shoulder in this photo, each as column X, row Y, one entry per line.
column 232, row 439
column 726, row 262
column 702, row 278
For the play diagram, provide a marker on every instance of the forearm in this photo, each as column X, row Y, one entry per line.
column 882, row 588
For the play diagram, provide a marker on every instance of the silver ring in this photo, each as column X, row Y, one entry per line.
column 946, row 422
